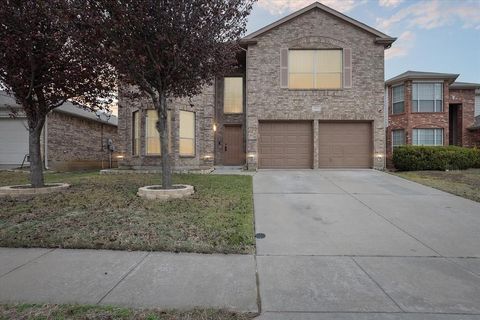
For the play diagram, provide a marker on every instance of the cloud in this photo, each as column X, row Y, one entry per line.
column 282, row 6
column 434, row 14
column 389, row 3
column 402, row 46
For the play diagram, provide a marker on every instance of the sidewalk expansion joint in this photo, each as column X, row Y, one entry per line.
column 124, row 276
column 29, row 261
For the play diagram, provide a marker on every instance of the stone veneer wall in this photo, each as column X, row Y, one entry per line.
column 202, row 105
column 316, row 29
column 77, row 143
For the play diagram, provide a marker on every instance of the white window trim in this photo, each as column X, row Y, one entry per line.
column 315, row 67
column 403, row 97
column 404, row 138
column 434, row 137
column 434, row 101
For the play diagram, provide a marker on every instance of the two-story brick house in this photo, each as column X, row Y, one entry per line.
column 428, row 108
column 308, row 93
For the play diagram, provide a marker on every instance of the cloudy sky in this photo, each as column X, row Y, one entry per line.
column 433, row 35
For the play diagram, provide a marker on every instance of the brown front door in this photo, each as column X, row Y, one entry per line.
column 285, row 145
column 345, row 145
column 233, row 154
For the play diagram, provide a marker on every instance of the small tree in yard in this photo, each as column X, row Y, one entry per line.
column 43, row 63
column 170, row 48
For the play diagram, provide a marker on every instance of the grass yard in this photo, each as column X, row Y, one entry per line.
column 103, row 212
column 60, row 312
column 465, row 183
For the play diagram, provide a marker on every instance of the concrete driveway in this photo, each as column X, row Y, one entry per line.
column 364, row 245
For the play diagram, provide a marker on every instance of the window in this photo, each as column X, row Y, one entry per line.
column 187, row 133
column 427, row 97
column 152, row 136
column 233, row 95
column 398, row 97
column 427, row 137
column 398, row 137
column 136, row 133
column 315, row 69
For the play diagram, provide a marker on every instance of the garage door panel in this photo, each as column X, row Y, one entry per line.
column 13, row 141
column 345, row 145
column 286, row 144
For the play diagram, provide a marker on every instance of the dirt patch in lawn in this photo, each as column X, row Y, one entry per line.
column 104, row 212
column 463, row 183
column 82, row 312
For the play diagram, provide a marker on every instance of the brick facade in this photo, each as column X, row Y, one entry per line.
column 462, row 99
column 202, row 105
column 264, row 99
column 78, row 143
column 315, row 29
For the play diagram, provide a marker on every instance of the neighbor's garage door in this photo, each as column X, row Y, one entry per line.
column 285, row 145
column 345, row 145
column 13, row 141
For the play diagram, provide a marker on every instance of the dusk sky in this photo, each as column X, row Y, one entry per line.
column 433, row 35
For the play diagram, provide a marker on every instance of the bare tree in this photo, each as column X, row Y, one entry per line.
column 170, row 48
column 45, row 62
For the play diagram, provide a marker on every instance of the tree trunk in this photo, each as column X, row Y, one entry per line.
column 162, row 127
column 36, row 163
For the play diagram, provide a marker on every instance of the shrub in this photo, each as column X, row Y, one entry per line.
column 412, row 158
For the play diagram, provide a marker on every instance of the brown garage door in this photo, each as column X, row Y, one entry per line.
column 345, row 145
column 285, row 145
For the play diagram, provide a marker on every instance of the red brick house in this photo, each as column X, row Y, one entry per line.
column 427, row 108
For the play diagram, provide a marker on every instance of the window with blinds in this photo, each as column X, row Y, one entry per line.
column 233, row 95
column 427, row 97
column 398, row 137
column 398, row 99
column 427, row 137
column 315, row 69
column 187, row 133
column 152, row 136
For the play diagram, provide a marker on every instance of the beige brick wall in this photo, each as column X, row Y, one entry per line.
column 266, row 100
column 77, row 143
column 202, row 105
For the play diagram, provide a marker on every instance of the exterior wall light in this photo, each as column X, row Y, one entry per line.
column 207, row 157
column 214, row 127
column 251, row 155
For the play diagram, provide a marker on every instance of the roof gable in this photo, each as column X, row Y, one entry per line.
column 380, row 37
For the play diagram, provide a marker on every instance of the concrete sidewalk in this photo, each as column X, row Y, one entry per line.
column 135, row 279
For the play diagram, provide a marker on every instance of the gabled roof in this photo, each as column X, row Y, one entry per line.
column 464, row 85
column 421, row 75
column 381, row 37
column 7, row 101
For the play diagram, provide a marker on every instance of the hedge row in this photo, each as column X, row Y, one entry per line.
column 411, row 158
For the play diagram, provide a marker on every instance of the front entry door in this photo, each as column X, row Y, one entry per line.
column 233, row 154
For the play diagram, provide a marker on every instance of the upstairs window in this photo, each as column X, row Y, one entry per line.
column 315, row 69
column 233, row 95
column 398, row 97
column 427, row 137
column 427, row 97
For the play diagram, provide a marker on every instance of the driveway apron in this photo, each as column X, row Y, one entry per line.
column 362, row 243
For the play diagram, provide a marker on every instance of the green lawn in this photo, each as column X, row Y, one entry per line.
column 464, row 183
column 103, row 212
column 83, row 312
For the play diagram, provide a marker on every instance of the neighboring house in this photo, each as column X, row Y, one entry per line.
column 308, row 93
column 72, row 139
column 428, row 108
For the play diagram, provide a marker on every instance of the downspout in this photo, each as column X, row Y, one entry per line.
column 45, row 143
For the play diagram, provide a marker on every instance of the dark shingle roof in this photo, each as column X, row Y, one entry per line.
column 67, row 108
